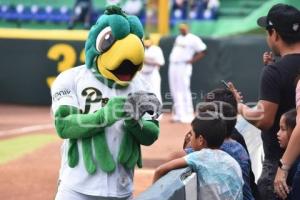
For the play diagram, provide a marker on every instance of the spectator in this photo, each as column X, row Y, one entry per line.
column 179, row 9
column 187, row 49
column 227, row 97
column 113, row 2
column 133, row 7
column 287, row 125
column 154, row 58
column 219, row 175
column 289, row 157
column 211, row 9
column 242, row 131
column 82, row 12
column 277, row 90
column 230, row 146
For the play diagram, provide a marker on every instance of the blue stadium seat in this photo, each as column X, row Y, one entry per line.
column 65, row 13
column 41, row 15
column 3, row 11
column 58, row 15
column 26, row 15
column 10, row 14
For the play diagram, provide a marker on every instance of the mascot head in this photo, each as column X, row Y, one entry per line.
column 114, row 49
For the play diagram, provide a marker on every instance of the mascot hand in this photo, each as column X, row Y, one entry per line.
column 145, row 131
column 141, row 102
column 112, row 111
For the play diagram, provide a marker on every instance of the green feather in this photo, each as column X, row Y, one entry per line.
column 103, row 155
column 140, row 161
column 125, row 148
column 132, row 161
column 136, row 26
column 88, row 155
column 73, row 155
column 121, row 25
column 113, row 9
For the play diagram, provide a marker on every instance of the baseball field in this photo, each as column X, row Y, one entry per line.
column 30, row 153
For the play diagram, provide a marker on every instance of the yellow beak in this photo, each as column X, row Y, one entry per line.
column 121, row 62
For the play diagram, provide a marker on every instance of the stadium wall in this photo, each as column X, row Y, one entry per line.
column 237, row 59
column 31, row 59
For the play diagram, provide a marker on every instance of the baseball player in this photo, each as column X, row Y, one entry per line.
column 187, row 49
column 154, row 58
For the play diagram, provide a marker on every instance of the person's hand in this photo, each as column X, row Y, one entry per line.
column 268, row 58
column 141, row 102
column 189, row 62
column 280, row 186
column 238, row 95
column 187, row 140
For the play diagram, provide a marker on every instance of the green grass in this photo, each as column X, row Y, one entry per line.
column 13, row 148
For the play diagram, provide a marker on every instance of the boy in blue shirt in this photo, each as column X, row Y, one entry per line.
column 230, row 146
column 219, row 175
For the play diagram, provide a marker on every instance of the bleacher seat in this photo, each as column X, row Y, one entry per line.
column 3, row 10
column 26, row 15
column 40, row 15
column 11, row 14
column 58, row 15
column 197, row 11
column 28, row 12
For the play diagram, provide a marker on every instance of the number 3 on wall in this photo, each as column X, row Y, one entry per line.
column 67, row 61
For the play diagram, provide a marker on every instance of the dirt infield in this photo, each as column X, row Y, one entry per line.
column 34, row 175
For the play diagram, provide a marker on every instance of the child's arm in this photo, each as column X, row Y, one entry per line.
column 165, row 168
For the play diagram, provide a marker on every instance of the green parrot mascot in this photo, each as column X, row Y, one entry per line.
column 101, row 142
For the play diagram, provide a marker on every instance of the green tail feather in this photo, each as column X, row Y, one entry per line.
column 88, row 155
column 140, row 162
column 103, row 155
column 73, row 155
column 125, row 148
column 132, row 161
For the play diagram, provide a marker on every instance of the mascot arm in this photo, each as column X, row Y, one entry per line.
column 146, row 132
column 71, row 124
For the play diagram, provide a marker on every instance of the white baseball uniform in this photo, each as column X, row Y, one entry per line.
column 150, row 72
column 72, row 88
column 180, row 72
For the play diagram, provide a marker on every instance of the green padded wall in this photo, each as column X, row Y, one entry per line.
column 25, row 67
column 237, row 59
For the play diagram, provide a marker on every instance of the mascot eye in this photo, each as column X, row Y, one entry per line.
column 105, row 40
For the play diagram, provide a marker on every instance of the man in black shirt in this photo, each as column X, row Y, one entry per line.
column 83, row 10
column 277, row 87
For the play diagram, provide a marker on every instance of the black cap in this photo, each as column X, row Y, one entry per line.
column 285, row 19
